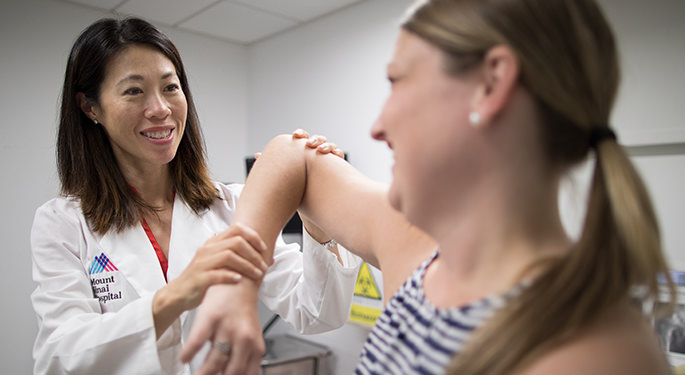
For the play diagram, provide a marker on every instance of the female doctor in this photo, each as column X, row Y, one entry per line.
column 140, row 231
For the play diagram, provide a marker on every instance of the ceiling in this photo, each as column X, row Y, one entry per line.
column 239, row 21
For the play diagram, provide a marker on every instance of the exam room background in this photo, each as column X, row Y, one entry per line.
column 326, row 76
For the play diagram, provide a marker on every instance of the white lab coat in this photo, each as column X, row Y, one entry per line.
column 95, row 315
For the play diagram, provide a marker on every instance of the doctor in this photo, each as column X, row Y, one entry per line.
column 126, row 253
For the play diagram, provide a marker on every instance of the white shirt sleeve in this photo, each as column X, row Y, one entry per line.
column 311, row 290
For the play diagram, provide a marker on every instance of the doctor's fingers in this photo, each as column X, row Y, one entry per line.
column 247, row 233
column 236, row 250
column 316, row 140
column 300, row 133
column 320, row 142
column 331, row 148
column 242, row 245
column 230, row 260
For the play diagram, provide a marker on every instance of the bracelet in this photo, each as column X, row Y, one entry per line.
column 330, row 244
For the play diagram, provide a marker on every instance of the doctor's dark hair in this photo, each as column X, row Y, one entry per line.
column 86, row 163
column 569, row 63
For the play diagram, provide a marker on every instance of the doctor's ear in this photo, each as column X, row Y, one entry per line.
column 499, row 74
column 86, row 106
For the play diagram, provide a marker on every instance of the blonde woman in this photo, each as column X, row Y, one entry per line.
column 492, row 102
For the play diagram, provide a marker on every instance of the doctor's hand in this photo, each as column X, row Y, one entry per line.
column 319, row 142
column 322, row 146
column 223, row 259
column 233, row 328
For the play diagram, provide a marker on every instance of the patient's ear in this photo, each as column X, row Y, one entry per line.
column 499, row 76
column 86, row 106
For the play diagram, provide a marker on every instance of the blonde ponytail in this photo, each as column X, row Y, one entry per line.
column 619, row 250
column 634, row 217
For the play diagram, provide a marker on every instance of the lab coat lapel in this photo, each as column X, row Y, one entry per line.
column 132, row 253
column 188, row 232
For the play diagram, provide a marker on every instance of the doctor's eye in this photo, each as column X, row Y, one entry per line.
column 133, row 91
column 172, row 87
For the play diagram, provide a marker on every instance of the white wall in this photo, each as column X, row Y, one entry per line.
column 35, row 38
column 664, row 174
column 651, row 44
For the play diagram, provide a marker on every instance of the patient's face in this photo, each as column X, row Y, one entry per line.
column 424, row 122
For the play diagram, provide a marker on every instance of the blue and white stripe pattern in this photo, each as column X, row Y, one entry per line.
column 411, row 336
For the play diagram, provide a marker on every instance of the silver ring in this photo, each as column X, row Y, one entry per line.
column 222, row 347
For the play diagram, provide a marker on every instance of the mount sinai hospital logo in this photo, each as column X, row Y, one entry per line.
column 102, row 279
column 102, row 263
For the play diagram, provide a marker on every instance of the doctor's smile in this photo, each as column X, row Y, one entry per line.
column 159, row 135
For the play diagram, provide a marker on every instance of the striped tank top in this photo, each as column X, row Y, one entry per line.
column 411, row 336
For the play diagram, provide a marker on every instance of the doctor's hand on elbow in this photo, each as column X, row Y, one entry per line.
column 322, row 146
column 319, row 142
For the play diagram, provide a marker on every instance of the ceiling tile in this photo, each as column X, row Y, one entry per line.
column 236, row 22
column 100, row 4
column 301, row 10
column 168, row 12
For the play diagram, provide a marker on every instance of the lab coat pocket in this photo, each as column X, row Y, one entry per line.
column 109, row 285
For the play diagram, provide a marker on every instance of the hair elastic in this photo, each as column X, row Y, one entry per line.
column 600, row 133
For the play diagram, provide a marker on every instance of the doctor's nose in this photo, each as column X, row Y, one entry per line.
column 157, row 107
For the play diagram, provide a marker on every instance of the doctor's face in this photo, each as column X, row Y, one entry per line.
column 142, row 108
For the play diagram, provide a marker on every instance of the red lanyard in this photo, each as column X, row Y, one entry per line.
column 163, row 262
column 158, row 249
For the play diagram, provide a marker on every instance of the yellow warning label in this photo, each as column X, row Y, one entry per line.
column 366, row 285
column 363, row 314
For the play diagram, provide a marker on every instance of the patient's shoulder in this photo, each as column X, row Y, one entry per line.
column 622, row 342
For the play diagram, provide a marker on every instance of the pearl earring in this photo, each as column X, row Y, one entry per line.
column 95, row 121
column 474, row 118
